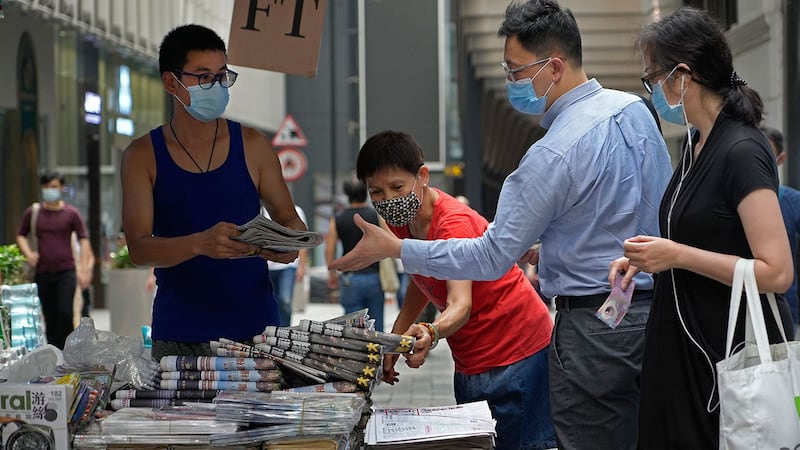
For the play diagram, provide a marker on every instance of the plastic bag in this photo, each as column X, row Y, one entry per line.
column 86, row 348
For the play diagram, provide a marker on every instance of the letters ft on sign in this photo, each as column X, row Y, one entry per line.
column 273, row 35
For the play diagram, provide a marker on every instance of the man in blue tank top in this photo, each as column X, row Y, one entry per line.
column 186, row 186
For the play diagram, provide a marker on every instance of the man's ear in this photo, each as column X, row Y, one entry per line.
column 781, row 158
column 559, row 66
column 170, row 82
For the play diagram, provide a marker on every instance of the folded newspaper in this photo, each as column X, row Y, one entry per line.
column 267, row 233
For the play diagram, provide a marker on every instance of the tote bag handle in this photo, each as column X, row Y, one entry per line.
column 744, row 277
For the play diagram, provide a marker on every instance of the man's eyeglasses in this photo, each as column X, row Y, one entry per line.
column 207, row 80
column 647, row 80
column 510, row 72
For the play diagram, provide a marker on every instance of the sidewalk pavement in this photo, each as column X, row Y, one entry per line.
column 430, row 385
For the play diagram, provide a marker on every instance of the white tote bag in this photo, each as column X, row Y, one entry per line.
column 759, row 384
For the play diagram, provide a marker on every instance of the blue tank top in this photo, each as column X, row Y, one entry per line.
column 203, row 299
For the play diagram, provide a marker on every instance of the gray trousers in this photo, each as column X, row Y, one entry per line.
column 594, row 379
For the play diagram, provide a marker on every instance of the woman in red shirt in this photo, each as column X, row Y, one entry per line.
column 498, row 331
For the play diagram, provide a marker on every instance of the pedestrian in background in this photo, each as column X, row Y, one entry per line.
column 361, row 288
column 789, row 199
column 284, row 276
column 58, row 275
column 592, row 181
column 721, row 205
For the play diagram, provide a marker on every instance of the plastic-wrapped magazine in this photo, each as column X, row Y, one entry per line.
column 265, row 233
column 149, row 422
column 283, row 415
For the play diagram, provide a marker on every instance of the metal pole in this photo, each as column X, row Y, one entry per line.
column 333, row 109
column 791, row 83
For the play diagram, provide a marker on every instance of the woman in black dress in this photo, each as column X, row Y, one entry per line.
column 721, row 205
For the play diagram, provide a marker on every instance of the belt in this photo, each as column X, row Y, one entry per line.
column 567, row 302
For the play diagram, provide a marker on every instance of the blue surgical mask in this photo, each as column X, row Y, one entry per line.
column 523, row 97
column 206, row 104
column 670, row 113
column 51, row 194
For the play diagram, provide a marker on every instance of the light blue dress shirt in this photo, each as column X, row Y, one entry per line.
column 593, row 180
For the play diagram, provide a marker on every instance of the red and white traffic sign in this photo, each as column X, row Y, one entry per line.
column 293, row 163
column 289, row 134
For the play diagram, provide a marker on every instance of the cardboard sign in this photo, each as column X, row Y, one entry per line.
column 280, row 36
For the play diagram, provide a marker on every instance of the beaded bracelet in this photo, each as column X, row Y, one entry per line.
column 433, row 330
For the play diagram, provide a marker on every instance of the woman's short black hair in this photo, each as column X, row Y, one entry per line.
column 389, row 149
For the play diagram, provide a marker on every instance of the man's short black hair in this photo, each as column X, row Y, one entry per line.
column 544, row 29
column 49, row 176
column 180, row 41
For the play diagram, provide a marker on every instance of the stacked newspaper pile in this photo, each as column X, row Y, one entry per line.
column 465, row 426
column 265, row 233
column 343, row 352
column 220, row 373
column 280, row 416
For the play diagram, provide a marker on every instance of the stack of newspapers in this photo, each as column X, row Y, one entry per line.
column 465, row 426
column 342, row 352
column 265, row 233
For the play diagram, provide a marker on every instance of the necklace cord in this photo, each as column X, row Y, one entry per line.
column 213, row 144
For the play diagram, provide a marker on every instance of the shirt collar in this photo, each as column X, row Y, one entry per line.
column 577, row 93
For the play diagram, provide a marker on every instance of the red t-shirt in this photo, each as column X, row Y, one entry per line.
column 508, row 323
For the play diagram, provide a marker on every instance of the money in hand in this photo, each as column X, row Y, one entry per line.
column 616, row 305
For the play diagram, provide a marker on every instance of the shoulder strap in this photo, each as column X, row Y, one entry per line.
column 32, row 241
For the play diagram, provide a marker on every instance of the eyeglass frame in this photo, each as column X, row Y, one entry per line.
column 510, row 72
column 218, row 77
column 646, row 80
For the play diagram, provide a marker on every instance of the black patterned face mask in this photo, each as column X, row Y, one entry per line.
column 399, row 211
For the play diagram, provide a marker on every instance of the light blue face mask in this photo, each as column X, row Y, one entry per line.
column 523, row 97
column 51, row 194
column 670, row 113
column 205, row 104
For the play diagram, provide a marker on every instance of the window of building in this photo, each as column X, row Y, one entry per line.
column 723, row 10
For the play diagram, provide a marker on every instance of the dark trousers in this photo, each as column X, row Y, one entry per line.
column 594, row 378
column 57, row 293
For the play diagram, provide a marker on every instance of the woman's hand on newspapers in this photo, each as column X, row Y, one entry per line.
column 416, row 358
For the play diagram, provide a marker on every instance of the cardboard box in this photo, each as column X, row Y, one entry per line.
column 34, row 415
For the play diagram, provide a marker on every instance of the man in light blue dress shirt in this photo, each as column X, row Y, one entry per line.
column 594, row 179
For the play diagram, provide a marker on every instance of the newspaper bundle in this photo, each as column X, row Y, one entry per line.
column 266, row 233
